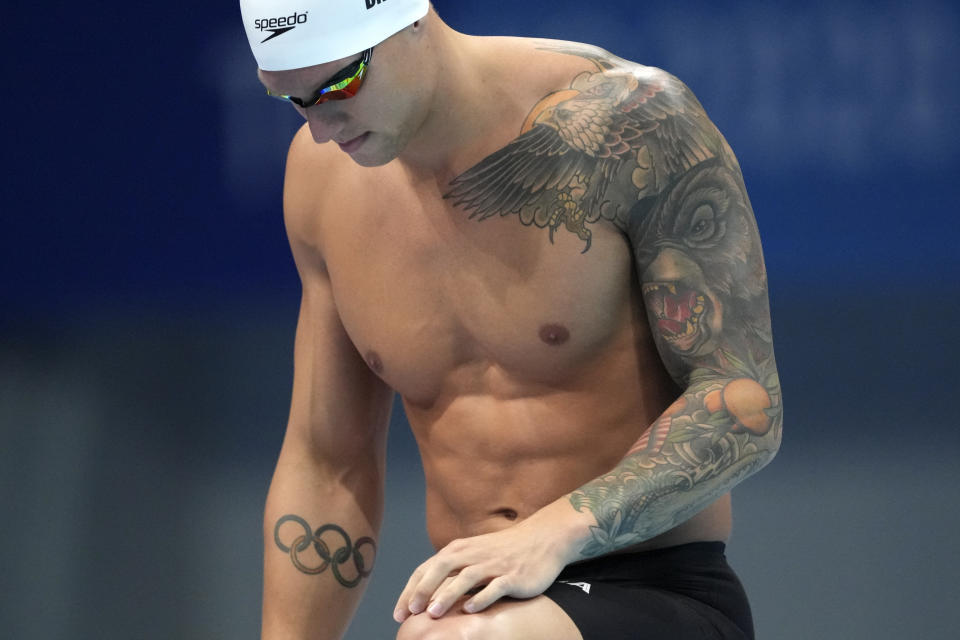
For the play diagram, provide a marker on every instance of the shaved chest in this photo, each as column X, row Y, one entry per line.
column 437, row 303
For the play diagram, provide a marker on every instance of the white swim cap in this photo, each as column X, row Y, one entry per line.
column 290, row 34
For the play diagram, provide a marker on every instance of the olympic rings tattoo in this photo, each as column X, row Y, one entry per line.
column 333, row 560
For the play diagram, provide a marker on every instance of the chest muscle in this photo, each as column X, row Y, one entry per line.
column 438, row 303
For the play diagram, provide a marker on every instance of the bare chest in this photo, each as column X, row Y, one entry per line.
column 437, row 303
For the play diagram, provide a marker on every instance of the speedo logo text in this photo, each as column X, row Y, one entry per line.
column 279, row 26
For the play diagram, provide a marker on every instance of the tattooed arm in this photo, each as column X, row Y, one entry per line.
column 325, row 503
column 632, row 146
column 704, row 286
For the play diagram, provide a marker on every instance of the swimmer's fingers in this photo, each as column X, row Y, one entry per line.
column 402, row 610
column 498, row 588
column 453, row 588
column 426, row 579
column 516, row 561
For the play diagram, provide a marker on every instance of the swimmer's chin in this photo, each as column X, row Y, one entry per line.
column 365, row 150
column 353, row 144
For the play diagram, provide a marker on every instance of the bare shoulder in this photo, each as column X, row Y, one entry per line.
column 603, row 134
column 324, row 191
column 611, row 66
column 313, row 174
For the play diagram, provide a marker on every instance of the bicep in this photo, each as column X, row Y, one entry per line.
column 339, row 408
column 702, row 273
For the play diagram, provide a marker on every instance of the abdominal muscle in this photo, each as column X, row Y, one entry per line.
column 491, row 462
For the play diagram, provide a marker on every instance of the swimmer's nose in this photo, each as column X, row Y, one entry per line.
column 323, row 124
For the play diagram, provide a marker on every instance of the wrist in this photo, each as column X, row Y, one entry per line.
column 563, row 530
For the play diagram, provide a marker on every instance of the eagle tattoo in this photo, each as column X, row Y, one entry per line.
column 632, row 128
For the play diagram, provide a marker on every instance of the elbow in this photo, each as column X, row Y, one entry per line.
column 754, row 409
column 768, row 439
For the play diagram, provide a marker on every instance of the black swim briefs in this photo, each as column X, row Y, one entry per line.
column 685, row 592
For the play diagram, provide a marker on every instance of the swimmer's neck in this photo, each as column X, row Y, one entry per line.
column 473, row 95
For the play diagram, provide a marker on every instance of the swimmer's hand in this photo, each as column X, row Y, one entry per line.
column 520, row 562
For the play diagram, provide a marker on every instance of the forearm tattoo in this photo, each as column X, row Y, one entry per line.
column 703, row 285
column 357, row 556
column 631, row 146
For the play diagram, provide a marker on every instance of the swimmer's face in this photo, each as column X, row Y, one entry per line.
column 375, row 125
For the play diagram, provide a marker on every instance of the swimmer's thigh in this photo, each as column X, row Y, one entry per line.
column 538, row 618
column 615, row 613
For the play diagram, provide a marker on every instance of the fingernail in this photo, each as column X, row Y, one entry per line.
column 470, row 607
column 435, row 609
column 398, row 615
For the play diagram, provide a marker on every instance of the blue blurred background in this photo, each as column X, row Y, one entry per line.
column 148, row 303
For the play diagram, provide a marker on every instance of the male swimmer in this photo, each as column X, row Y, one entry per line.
column 549, row 253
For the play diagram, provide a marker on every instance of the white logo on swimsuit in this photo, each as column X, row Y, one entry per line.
column 583, row 585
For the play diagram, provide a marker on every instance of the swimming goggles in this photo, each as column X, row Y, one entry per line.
column 343, row 85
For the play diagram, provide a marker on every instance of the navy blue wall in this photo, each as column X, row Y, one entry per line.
column 147, row 304
column 143, row 161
